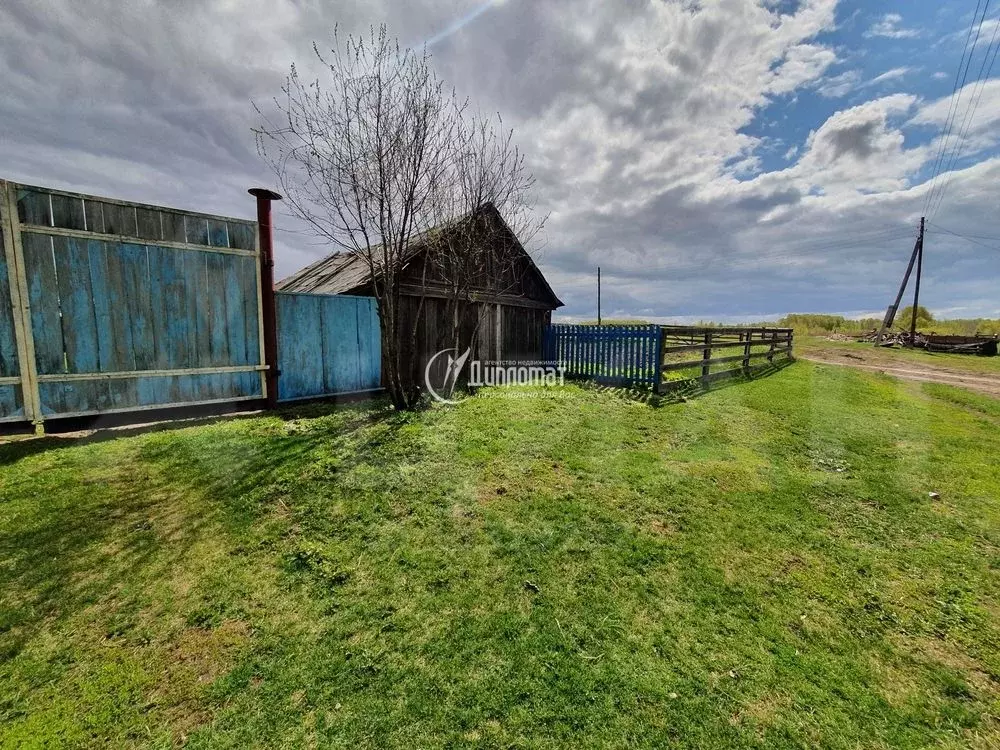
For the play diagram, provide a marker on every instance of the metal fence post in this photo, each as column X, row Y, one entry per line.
column 267, row 311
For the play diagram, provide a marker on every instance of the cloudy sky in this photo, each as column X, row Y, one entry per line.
column 723, row 159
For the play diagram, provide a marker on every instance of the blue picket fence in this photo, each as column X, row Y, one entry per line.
column 613, row 354
column 328, row 345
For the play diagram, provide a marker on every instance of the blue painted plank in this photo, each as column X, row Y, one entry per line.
column 300, row 356
column 120, row 356
column 135, row 272
column 248, row 287
column 218, row 233
column 235, row 310
column 196, row 229
column 340, row 344
column 215, row 281
column 371, row 344
column 43, row 296
column 8, row 343
column 72, row 259
column 11, row 404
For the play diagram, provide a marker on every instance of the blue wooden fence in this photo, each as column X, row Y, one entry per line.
column 110, row 306
column 614, row 354
column 327, row 345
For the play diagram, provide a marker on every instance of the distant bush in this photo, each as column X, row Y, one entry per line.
column 819, row 324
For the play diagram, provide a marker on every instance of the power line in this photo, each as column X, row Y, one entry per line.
column 966, row 234
column 953, row 104
column 977, row 95
column 965, row 237
column 936, row 198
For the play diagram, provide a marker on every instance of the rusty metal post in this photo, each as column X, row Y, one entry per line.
column 267, row 303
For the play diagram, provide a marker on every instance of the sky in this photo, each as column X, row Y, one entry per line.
column 730, row 160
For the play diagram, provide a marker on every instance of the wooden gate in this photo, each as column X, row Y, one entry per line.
column 110, row 306
column 328, row 345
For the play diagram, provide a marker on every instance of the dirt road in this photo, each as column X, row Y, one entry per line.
column 909, row 371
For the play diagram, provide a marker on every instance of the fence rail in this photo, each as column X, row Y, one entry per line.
column 661, row 356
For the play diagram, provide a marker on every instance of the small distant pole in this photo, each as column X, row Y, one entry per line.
column 916, row 288
column 598, row 295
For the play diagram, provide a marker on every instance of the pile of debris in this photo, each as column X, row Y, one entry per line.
column 985, row 346
column 891, row 338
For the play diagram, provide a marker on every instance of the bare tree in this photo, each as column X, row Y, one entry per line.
column 476, row 254
column 361, row 159
column 383, row 156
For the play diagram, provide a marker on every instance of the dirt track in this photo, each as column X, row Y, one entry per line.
column 925, row 373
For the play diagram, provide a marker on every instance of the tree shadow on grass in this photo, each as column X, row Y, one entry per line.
column 104, row 529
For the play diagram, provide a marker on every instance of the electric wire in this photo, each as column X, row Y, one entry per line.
column 954, row 101
column 967, row 121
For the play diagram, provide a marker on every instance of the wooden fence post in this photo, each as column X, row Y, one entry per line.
column 746, row 352
column 658, row 375
column 706, row 357
column 20, row 306
column 770, row 353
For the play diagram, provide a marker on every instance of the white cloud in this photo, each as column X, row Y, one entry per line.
column 888, row 26
column 839, row 85
column 633, row 116
column 890, row 75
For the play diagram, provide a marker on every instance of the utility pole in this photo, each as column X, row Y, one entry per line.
column 890, row 313
column 598, row 295
column 916, row 288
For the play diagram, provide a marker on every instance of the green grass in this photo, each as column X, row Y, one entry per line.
column 759, row 566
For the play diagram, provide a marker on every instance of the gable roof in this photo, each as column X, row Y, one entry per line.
column 344, row 272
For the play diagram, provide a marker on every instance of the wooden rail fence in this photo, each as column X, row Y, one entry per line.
column 704, row 354
column 663, row 357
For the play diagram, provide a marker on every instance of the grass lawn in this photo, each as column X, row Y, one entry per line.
column 759, row 566
column 898, row 356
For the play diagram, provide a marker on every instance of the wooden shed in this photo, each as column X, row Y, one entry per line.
column 503, row 319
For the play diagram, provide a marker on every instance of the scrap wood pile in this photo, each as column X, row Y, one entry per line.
column 932, row 342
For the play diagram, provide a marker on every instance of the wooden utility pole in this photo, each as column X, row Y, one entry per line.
column 916, row 288
column 598, row 295
column 890, row 313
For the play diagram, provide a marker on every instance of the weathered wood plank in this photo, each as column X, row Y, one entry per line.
column 33, row 208
column 68, row 213
column 43, row 297
column 215, row 280
column 11, row 403
column 8, row 342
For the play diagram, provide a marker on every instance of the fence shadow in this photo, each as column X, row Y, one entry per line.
column 675, row 392
column 98, row 430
